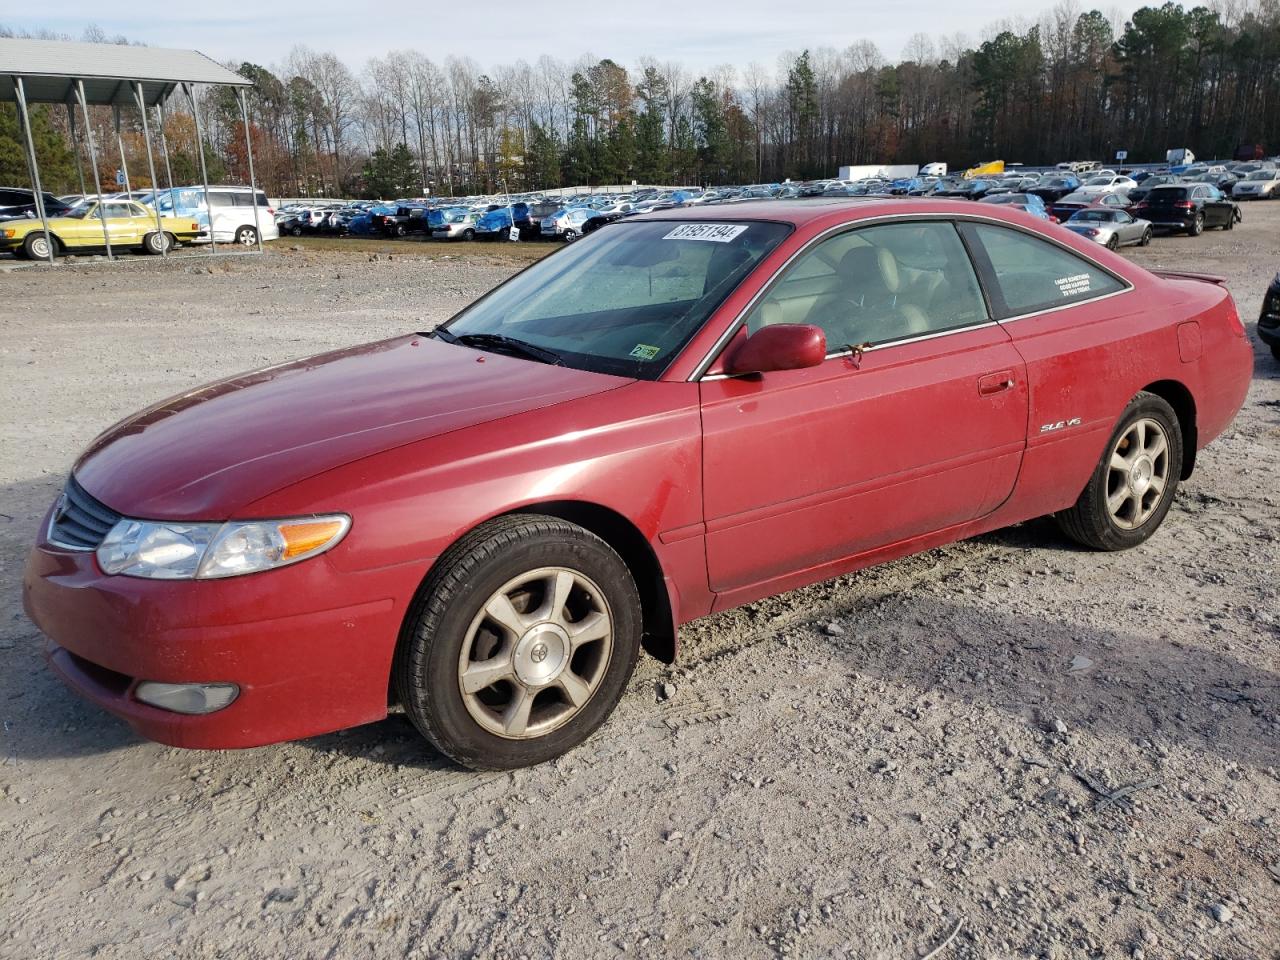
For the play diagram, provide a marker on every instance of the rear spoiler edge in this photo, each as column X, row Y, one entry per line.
column 1188, row 275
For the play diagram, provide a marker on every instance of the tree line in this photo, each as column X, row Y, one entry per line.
column 1073, row 85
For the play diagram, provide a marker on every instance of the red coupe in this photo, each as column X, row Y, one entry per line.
column 683, row 412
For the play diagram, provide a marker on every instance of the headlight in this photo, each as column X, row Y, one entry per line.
column 205, row 551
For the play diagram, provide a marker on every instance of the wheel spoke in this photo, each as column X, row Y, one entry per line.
column 1117, row 500
column 485, row 673
column 1158, row 445
column 557, row 596
column 1140, row 430
column 515, row 719
column 1119, row 463
column 501, row 611
column 575, row 688
column 596, row 626
column 1157, row 484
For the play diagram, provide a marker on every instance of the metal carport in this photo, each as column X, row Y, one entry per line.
column 101, row 74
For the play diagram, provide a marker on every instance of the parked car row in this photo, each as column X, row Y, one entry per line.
column 188, row 215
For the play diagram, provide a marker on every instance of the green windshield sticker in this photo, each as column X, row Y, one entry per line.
column 643, row 351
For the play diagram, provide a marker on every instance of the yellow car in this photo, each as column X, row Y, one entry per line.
column 129, row 225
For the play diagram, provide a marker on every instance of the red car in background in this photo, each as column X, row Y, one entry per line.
column 683, row 412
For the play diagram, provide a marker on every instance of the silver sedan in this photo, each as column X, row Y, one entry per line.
column 1111, row 228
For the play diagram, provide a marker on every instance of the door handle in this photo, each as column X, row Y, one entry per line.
column 994, row 383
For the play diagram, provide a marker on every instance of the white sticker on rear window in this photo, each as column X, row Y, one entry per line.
column 1074, row 285
column 715, row 232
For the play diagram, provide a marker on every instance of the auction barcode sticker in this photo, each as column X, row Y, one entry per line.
column 715, row 232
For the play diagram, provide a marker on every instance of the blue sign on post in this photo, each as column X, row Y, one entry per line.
column 119, row 178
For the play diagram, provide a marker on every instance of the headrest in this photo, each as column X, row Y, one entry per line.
column 865, row 266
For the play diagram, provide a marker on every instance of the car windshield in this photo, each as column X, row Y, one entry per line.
column 81, row 209
column 625, row 300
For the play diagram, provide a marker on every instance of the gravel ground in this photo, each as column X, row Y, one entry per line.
column 854, row 769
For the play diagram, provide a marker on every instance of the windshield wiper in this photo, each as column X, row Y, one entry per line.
column 498, row 342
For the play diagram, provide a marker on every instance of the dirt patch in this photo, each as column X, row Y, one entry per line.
column 1074, row 754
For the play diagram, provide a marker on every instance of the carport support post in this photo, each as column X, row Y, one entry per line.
column 21, row 91
column 93, row 162
column 248, row 150
column 124, row 164
column 75, row 145
column 164, row 149
column 204, row 173
column 140, row 96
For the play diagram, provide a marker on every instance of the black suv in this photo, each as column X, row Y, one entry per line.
column 19, row 203
column 1190, row 207
column 1269, row 318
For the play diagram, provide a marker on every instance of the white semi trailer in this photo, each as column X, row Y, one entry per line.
column 884, row 171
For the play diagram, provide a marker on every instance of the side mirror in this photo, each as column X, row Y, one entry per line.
column 783, row 346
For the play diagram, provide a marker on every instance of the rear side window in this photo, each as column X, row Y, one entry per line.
column 217, row 199
column 1030, row 274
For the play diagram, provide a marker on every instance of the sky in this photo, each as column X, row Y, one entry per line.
column 699, row 35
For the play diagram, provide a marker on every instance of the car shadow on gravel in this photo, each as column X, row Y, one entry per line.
column 393, row 742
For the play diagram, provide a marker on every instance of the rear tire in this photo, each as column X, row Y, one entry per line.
column 1197, row 225
column 246, row 236
column 1146, row 238
column 1275, row 350
column 468, row 234
column 570, row 235
column 520, row 643
column 157, row 243
column 1135, row 481
column 1113, row 243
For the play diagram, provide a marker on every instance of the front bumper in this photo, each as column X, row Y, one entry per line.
column 310, row 646
column 1269, row 318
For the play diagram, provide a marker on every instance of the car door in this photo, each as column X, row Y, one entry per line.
column 915, row 422
column 1126, row 227
column 1218, row 211
column 121, row 227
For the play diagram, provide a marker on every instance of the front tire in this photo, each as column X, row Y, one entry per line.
column 1134, row 483
column 520, row 644
column 36, row 246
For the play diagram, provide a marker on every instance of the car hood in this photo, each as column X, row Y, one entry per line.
column 203, row 455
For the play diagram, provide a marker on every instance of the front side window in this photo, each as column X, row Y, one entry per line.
column 1031, row 274
column 877, row 285
column 625, row 300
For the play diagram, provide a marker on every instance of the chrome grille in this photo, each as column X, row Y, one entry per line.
column 80, row 522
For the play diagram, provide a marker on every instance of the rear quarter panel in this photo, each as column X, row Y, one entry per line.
column 1085, row 363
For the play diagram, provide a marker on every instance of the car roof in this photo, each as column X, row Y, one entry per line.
column 826, row 212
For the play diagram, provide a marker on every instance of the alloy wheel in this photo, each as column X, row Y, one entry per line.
column 1138, row 473
column 535, row 653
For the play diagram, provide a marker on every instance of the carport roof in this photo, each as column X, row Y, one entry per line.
column 49, row 69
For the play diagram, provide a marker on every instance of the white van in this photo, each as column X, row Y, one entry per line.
column 233, row 219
